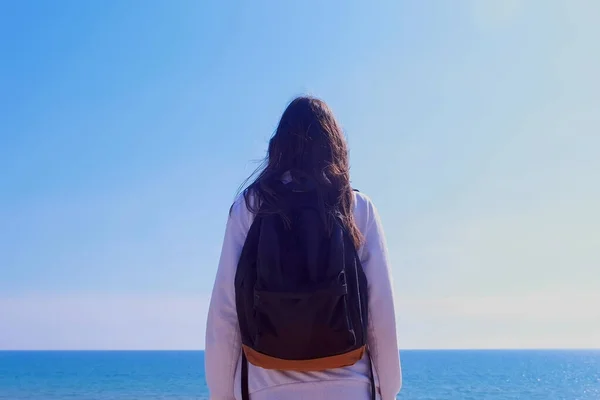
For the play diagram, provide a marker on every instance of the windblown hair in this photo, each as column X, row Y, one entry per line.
column 308, row 143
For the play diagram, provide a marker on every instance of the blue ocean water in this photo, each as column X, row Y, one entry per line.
column 464, row 375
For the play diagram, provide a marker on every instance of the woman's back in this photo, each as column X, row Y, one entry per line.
column 223, row 339
column 223, row 356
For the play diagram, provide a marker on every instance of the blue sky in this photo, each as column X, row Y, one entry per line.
column 127, row 127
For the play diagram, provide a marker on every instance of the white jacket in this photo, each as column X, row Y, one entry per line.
column 223, row 345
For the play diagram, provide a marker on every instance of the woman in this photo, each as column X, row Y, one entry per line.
column 308, row 143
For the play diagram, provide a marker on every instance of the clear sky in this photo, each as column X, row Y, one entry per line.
column 127, row 127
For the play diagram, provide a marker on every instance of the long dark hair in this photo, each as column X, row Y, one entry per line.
column 308, row 142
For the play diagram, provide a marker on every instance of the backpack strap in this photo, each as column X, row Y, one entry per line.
column 372, row 377
column 245, row 390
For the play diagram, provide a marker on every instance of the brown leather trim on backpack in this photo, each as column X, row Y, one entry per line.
column 318, row 364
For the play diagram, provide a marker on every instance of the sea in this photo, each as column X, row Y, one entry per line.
column 179, row 375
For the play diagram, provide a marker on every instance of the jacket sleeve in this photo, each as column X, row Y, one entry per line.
column 223, row 343
column 382, row 340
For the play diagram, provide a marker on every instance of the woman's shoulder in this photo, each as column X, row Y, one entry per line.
column 240, row 209
column 364, row 210
column 362, row 201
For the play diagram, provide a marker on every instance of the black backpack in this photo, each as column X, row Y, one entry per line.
column 301, row 292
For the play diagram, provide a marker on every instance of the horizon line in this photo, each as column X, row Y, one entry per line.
column 401, row 350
